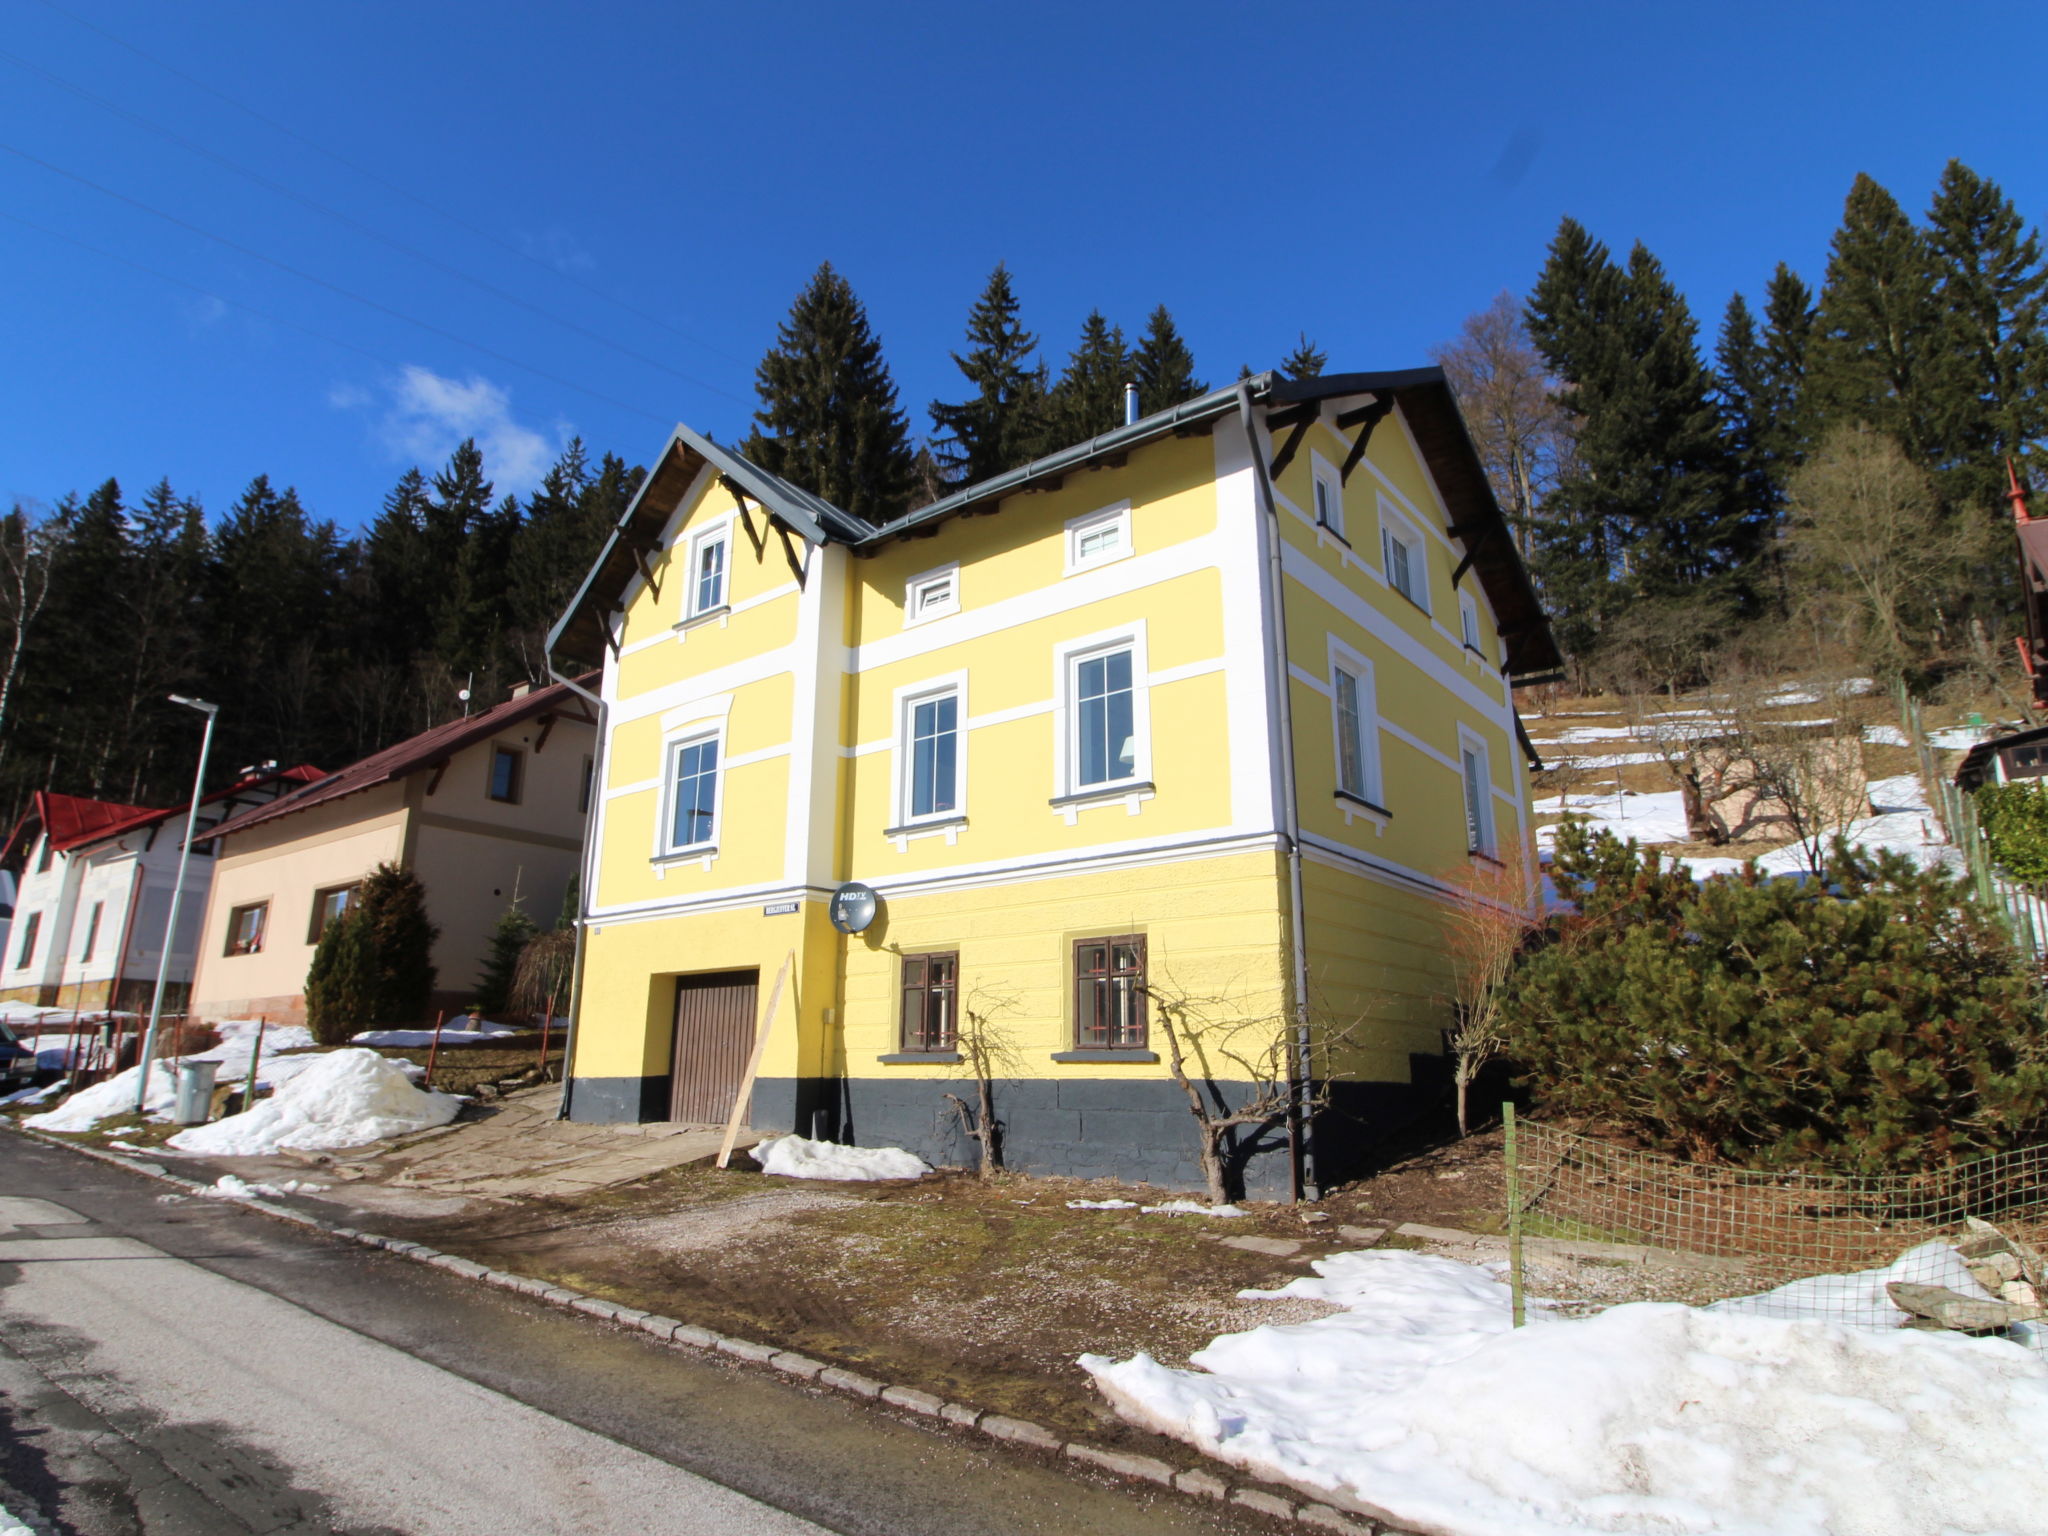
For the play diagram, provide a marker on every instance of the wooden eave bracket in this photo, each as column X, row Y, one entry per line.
column 547, row 724
column 1301, row 418
column 756, row 537
column 646, row 572
column 800, row 565
column 1472, row 547
column 434, row 782
column 1365, row 418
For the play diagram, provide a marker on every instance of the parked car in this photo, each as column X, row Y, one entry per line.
column 17, row 1061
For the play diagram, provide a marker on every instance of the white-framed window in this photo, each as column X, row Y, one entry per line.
column 1354, row 706
column 690, row 817
column 931, row 752
column 1402, row 551
column 710, row 574
column 1104, row 721
column 1478, row 776
column 932, row 595
column 1099, row 538
column 1329, row 495
column 1468, row 619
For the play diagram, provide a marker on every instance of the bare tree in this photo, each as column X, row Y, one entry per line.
column 988, row 1051
column 1213, row 1041
column 1867, row 524
column 1489, row 917
column 28, row 549
column 1508, row 399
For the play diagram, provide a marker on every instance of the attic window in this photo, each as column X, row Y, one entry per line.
column 932, row 595
column 710, row 554
column 1098, row 538
column 507, row 764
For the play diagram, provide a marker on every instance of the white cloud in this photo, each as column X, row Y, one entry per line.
column 429, row 414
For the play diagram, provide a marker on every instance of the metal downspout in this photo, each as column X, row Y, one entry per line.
column 1301, row 1132
column 584, row 883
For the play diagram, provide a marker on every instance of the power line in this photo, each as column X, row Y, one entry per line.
column 390, row 186
column 281, row 190
column 334, row 288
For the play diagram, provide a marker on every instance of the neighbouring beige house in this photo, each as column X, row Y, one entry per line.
column 486, row 810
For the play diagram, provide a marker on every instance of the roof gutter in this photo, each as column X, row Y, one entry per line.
column 1300, row 1134
column 584, row 885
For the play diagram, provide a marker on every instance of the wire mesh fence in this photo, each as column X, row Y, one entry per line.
column 1865, row 1250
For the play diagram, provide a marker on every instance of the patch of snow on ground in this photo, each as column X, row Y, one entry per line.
column 1860, row 1300
column 1189, row 1208
column 105, row 1100
column 34, row 1095
column 1102, row 1205
column 1421, row 1399
column 797, row 1157
column 1886, row 736
column 341, row 1099
column 1960, row 738
column 485, row 1030
column 228, row 1187
column 1653, row 818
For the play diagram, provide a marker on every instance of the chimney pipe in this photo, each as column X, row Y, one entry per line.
column 1130, row 403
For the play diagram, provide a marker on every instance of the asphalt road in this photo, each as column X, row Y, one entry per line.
column 190, row 1368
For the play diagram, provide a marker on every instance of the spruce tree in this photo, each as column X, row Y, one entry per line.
column 402, row 589
column 1306, row 361
column 1992, row 288
column 828, row 419
column 1875, row 352
column 400, row 940
column 1163, row 366
column 1088, row 400
column 341, row 983
column 1740, row 369
column 1784, row 408
column 1000, row 425
column 509, row 937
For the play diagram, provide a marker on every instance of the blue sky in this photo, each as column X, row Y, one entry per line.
column 605, row 210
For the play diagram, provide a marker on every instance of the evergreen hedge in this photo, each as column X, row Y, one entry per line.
column 2015, row 819
column 1878, row 1023
column 374, row 964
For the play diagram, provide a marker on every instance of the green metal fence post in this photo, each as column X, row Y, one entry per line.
column 1507, row 1117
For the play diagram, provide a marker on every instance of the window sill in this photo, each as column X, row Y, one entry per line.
column 919, row 1058
column 933, row 824
column 1364, row 804
column 1322, row 527
column 1133, row 1055
column 1481, row 856
column 716, row 615
column 1115, row 791
column 1414, row 602
column 685, row 855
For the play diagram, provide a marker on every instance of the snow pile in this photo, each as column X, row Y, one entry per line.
column 795, row 1157
column 1421, row 1400
column 228, row 1187
column 275, row 1069
column 1102, row 1205
column 105, row 1100
column 342, row 1099
column 1860, row 1300
column 450, row 1035
column 1189, row 1208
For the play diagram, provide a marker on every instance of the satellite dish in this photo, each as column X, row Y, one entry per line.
column 462, row 694
column 853, row 907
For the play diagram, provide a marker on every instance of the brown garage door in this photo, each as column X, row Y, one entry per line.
column 714, row 1038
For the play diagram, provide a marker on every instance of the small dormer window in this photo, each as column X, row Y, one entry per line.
column 1098, row 538
column 1468, row 620
column 932, row 595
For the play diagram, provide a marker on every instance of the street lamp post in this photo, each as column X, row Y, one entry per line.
column 163, row 965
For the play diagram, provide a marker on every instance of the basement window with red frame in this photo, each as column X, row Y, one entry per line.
column 1109, row 993
column 931, row 995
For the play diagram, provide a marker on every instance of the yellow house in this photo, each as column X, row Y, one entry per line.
column 1194, row 725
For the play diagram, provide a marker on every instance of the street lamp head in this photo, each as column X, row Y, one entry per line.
column 199, row 704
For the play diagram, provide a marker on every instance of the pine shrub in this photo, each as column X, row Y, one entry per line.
column 341, row 983
column 1878, row 1023
column 2015, row 819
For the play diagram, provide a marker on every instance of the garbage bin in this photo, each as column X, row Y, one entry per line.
column 195, row 1092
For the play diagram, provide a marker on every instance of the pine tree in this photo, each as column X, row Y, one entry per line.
column 1306, row 361
column 1877, row 334
column 402, row 591
column 509, row 937
column 1088, row 400
column 1164, row 367
column 1992, row 289
column 999, row 426
column 1739, row 382
column 828, row 419
column 85, row 626
column 1784, row 407
column 400, row 940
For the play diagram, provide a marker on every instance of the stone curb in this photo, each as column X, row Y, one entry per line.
column 1275, row 1500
